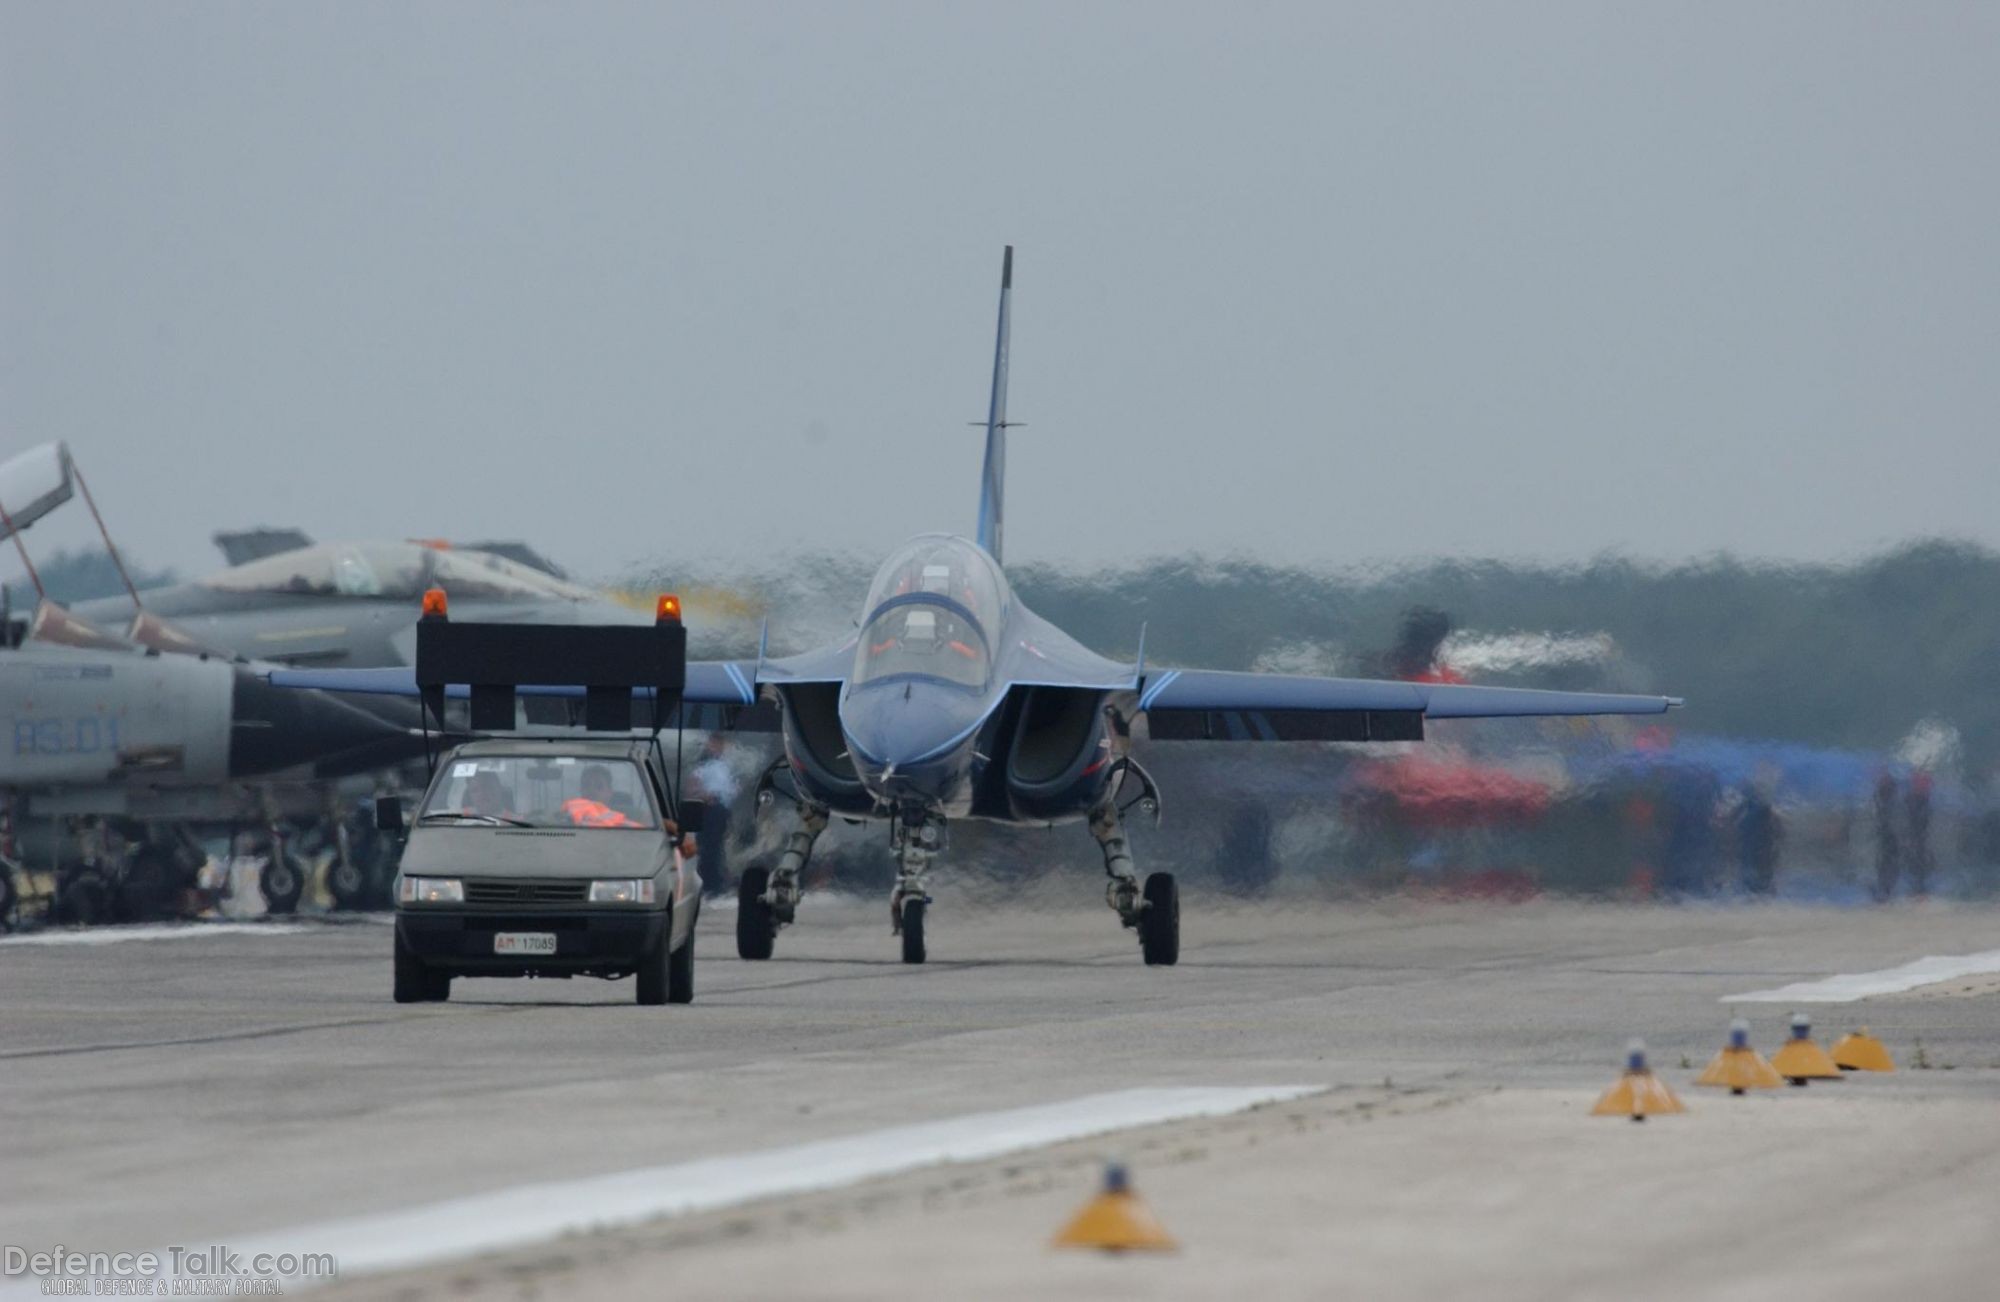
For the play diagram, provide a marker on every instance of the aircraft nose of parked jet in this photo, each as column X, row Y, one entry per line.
column 272, row 729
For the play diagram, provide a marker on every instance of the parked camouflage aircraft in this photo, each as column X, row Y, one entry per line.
column 150, row 727
column 355, row 604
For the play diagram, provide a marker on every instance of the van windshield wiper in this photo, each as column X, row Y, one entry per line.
column 496, row 820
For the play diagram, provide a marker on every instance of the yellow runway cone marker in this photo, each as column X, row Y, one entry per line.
column 1115, row 1221
column 1860, row 1051
column 1739, row 1067
column 1637, row 1094
column 1802, row 1060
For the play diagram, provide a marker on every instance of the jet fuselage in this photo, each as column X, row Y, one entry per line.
column 941, row 711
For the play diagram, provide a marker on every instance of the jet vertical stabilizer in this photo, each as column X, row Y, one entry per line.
column 993, row 481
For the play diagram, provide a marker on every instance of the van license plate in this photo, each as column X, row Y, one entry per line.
column 524, row 942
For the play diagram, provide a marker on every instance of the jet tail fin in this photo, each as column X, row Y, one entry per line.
column 994, row 474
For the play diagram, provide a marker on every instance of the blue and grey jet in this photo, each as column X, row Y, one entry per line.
column 956, row 701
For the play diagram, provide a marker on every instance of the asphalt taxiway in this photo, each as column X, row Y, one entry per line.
column 253, row 1082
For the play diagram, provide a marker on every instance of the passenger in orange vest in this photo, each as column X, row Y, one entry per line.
column 592, row 808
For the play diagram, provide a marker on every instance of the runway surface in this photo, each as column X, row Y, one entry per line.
column 224, row 1087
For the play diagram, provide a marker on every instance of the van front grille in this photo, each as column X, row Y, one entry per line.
column 524, row 892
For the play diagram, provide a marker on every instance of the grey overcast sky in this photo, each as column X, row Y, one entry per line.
column 1327, row 282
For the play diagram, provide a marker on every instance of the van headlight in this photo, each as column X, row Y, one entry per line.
column 430, row 890
column 624, row 890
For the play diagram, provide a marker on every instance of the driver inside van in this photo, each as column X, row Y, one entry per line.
column 486, row 795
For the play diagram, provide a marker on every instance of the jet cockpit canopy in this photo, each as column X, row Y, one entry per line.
column 933, row 612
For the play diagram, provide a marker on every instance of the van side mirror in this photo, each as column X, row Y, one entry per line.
column 388, row 813
column 692, row 813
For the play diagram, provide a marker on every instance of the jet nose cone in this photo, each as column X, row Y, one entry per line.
column 903, row 724
column 277, row 728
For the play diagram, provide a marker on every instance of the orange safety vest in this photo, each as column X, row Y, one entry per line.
column 592, row 813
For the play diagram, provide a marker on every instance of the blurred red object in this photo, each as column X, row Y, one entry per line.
column 1451, row 793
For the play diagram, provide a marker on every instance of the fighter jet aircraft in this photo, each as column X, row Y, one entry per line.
column 110, row 735
column 151, row 706
column 354, row 604
column 241, row 546
column 150, row 729
column 957, row 701
column 101, row 721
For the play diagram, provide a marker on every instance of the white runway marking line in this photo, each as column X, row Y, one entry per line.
column 1847, row 988
column 533, row 1213
column 156, row 931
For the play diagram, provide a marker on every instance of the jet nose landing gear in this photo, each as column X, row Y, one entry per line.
column 919, row 838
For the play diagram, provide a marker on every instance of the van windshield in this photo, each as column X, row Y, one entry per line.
column 540, row 791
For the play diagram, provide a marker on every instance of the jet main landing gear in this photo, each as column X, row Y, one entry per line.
column 767, row 899
column 1154, row 910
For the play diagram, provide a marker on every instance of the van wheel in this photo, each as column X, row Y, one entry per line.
column 413, row 979
column 680, row 969
column 652, row 971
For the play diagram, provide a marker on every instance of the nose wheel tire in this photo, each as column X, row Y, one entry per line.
column 1160, row 922
column 756, row 928
column 913, row 932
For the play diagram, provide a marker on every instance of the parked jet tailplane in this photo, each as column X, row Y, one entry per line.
column 957, row 701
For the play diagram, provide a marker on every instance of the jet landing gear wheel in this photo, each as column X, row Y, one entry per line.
column 913, row 931
column 756, row 928
column 281, row 881
column 1160, row 922
column 347, row 882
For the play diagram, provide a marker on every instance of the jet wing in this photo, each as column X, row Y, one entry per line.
column 709, row 682
column 1201, row 704
column 720, row 694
